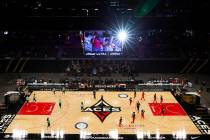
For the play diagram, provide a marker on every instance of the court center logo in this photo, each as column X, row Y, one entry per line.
column 102, row 109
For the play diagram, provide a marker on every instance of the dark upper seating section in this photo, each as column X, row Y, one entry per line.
column 153, row 43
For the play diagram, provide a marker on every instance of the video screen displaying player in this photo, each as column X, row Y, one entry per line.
column 101, row 41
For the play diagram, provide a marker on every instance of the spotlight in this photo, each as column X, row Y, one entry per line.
column 84, row 134
column 61, row 134
column 19, row 134
column 113, row 134
column 180, row 134
column 157, row 134
column 122, row 36
column 148, row 134
column 52, row 133
column 42, row 134
column 6, row 32
column 57, row 135
column 140, row 134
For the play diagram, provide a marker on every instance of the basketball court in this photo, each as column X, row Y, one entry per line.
column 101, row 115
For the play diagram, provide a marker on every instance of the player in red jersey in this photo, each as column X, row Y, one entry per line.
column 142, row 95
column 120, row 122
column 134, row 96
column 138, row 106
column 142, row 113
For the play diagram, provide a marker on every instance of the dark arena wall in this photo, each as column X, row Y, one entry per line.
column 137, row 66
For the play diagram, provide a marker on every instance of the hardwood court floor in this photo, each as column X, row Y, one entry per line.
column 69, row 114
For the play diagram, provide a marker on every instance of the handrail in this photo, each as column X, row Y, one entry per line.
column 190, row 68
column 9, row 64
column 18, row 63
column 187, row 65
column 202, row 65
column 21, row 69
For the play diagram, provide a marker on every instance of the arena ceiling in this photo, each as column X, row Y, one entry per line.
column 79, row 14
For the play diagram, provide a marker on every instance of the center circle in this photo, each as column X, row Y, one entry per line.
column 81, row 125
column 123, row 95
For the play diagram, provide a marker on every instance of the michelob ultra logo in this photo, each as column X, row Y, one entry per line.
column 102, row 109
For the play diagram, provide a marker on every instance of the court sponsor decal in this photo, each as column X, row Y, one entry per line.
column 102, row 109
column 81, row 125
column 194, row 137
column 131, row 126
column 23, row 135
column 5, row 121
column 170, row 109
column 37, row 108
column 201, row 124
column 55, row 134
column 123, row 95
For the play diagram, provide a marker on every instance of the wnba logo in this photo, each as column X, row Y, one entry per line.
column 102, row 109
